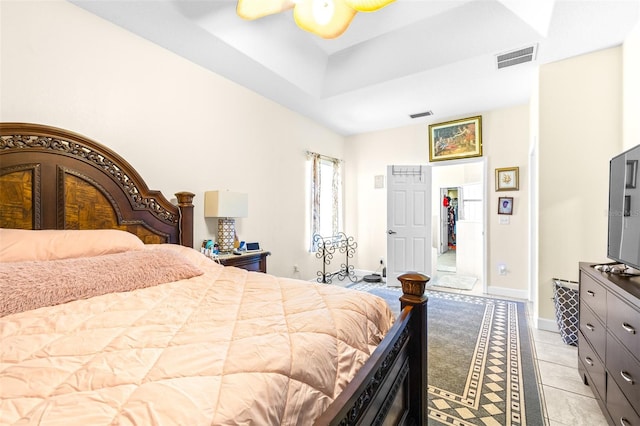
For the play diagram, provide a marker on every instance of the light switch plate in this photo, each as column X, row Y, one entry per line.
column 378, row 181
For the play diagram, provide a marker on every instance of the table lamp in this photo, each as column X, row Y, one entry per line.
column 226, row 206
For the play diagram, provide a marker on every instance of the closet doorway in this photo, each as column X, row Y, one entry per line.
column 448, row 218
column 459, row 224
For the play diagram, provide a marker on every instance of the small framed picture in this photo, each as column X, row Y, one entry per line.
column 507, row 179
column 505, row 205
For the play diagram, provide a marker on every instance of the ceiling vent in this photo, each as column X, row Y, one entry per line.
column 515, row 57
column 421, row 114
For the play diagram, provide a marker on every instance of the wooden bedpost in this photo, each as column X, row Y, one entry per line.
column 185, row 205
column 413, row 288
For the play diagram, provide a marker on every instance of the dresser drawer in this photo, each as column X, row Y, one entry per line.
column 625, row 370
column 594, row 295
column 592, row 329
column 619, row 407
column 593, row 367
column 623, row 320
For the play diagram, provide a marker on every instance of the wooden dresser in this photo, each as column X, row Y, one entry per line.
column 609, row 342
column 253, row 261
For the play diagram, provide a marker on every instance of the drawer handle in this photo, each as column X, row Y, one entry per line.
column 627, row 377
column 628, row 328
column 590, row 327
column 591, row 293
column 589, row 361
column 624, row 422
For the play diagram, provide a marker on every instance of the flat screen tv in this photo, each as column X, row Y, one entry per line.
column 624, row 209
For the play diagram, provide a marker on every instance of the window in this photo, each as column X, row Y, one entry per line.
column 326, row 196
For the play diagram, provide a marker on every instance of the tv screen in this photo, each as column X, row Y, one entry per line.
column 624, row 208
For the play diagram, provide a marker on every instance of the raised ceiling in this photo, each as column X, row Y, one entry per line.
column 409, row 57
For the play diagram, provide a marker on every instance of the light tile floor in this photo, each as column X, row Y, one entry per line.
column 566, row 400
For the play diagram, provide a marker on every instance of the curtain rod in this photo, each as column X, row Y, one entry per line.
column 324, row 157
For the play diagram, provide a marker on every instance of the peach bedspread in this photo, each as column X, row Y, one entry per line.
column 226, row 347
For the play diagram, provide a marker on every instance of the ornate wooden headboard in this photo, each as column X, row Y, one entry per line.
column 52, row 178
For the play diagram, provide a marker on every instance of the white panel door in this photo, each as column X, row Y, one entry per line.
column 408, row 221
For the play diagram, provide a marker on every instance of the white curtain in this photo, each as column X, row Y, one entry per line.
column 320, row 183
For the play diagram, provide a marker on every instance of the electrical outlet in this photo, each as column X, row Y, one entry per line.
column 502, row 269
column 382, row 260
column 295, row 268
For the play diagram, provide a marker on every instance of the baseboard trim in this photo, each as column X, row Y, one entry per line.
column 507, row 292
column 362, row 272
column 359, row 273
column 547, row 325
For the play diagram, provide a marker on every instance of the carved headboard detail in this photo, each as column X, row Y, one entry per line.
column 51, row 178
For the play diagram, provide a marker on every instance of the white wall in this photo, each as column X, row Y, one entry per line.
column 182, row 127
column 507, row 145
column 580, row 130
column 367, row 156
column 505, row 140
column 631, row 92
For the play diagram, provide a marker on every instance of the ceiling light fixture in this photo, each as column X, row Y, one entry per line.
column 325, row 18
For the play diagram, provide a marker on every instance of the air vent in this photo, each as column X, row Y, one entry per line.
column 421, row 114
column 516, row 57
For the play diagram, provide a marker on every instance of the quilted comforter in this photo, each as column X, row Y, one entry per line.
column 225, row 347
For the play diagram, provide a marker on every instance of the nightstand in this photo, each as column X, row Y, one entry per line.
column 252, row 261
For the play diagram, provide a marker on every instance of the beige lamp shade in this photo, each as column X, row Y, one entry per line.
column 225, row 204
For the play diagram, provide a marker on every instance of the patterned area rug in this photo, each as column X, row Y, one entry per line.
column 481, row 368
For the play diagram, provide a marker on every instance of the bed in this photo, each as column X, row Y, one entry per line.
column 110, row 317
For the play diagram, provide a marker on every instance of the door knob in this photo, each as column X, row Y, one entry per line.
column 391, row 232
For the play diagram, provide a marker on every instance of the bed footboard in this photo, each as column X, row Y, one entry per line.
column 391, row 388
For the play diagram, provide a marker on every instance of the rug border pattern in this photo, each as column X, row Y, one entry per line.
column 500, row 329
column 494, row 391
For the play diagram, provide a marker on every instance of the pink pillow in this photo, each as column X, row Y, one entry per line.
column 20, row 245
column 31, row 285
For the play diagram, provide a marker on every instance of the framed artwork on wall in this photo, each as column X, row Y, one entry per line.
column 505, row 205
column 507, row 179
column 456, row 139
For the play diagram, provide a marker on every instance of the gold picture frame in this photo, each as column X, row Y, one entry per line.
column 453, row 140
column 508, row 179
